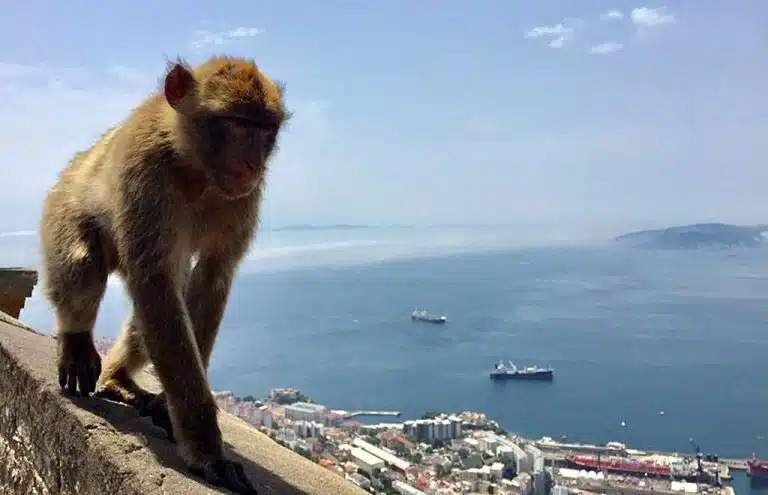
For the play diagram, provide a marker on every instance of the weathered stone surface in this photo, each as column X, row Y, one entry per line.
column 53, row 444
column 16, row 286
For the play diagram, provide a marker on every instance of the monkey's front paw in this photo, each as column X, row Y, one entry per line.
column 226, row 474
column 79, row 363
column 156, row 407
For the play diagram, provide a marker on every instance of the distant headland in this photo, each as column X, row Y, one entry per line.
column 695, row 236
column 336, row 226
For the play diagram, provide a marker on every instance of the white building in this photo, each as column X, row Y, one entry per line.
column 524, row 483
column 522, row 463
column 429, row 430
column 305, row 429
column 304, row 411
column 406, row 489
column 535, row 457
column 260, row 416
column 390, row 459
column 497, row 470
column 365, row 461
column 472, row 443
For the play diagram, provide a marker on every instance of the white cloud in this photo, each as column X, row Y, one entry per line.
column 558, row 42
column 606, row 48
column 612, row 15
column 560, row 33
column 204, row 38
column 647, row 17
column 558, row 29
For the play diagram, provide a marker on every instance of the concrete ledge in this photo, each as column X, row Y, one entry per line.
column 16, row 286
column 53, row 444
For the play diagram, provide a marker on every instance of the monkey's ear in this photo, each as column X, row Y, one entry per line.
column 179, row 85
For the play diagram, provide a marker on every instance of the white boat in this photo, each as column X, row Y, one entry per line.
column 424, row 315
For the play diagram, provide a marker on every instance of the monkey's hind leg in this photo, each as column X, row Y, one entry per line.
column 75, row 275
column 123, row 360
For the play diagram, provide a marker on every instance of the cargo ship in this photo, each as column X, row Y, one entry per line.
column 502, row 371
column 620, row 465
column 757, row 468
column 424, row 315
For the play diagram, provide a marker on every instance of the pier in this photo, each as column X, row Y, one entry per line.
column 737, row 464
column 357, row 414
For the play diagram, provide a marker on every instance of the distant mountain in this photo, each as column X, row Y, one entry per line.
column 700, row 235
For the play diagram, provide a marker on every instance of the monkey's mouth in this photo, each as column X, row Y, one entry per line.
column 236, row 185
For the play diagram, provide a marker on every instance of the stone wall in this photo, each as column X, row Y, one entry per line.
column 54, row 444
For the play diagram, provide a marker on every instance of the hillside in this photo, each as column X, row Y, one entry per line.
column 700, row 235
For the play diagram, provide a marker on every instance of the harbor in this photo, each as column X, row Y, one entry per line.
column 466, row 452
column 359, row 414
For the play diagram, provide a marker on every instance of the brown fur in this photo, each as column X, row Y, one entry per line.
column 182, row 176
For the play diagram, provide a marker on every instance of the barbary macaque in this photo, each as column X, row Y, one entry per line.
column 180, row 179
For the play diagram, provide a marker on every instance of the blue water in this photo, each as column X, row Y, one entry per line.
column 630, row 333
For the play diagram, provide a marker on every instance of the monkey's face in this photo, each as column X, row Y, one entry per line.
column 240, row 147
column 233, row 114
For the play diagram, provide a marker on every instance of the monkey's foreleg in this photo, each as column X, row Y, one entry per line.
column 206, row 298
column 74, row 279
column 164, row 325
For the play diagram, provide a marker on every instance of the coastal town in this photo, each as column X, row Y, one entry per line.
column 463, row 453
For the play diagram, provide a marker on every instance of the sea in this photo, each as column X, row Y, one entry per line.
column 658, row 349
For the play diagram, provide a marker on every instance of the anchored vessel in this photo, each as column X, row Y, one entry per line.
column 424, row 315
column 757, row 468
column 502, row 371
column 674, row 468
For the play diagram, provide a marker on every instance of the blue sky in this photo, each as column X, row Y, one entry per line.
column 594, row 115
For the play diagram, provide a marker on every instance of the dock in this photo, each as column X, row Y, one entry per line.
column 357, row 414
column 737, row 464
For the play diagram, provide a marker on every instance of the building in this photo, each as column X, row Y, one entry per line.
column 489, row 443
column 360, row 480
column 539, row 483
column 391, row 460
column 497, row 470
column 535, row 457
column 364, row 461
column 505, row 453
column 305, row 429
column 524, row 483
column 304, row 411
column 522, row 463
column 429, row 430
column 406, row 489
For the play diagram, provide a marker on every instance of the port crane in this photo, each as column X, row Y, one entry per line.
column 700, row 474
column 699, row 468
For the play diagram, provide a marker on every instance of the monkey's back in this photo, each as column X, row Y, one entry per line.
column 86, row 196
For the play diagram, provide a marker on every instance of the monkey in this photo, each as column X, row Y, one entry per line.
column 168, row 200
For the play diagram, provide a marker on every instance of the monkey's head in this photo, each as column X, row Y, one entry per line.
column 230, row 115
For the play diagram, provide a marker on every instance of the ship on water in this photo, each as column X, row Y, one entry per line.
column 757, row 468
column 424, row 315
column 510, row 371
column 677, row 469
column 653, row 466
